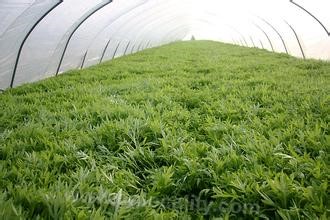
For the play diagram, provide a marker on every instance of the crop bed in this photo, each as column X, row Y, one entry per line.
column 189, row 130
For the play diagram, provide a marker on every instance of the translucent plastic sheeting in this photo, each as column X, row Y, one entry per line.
column 77, row 34
column 10, row 10
column 117, row 42
column 21, row 17
column 82, row 41
column 272, row 23
column 45, row 46
column 155, row 29
column 175, row 32
column 95, row 28
column 319, row 9
column 129, row 26
column 126, row 28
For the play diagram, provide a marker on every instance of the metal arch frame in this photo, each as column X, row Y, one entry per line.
column 83, row 60
column 136, row 21
column 104, row 50
column 242, row 41
column 139, row 47
column 313, row 16
column 252, row 41
column 157, row 23
column 114, row 53
column 26, row 37
column 277, row 32
column 129, row 42
column 264, row 32
column 233, row 29
column 165, row 39
column 247, row 45
column 132, row 50
column 143, row 27
column 296, row 35
column 242, row 44
column 144, row 19
column 148, row 42
column 242, row 38
column 75, row 29
column 129, row 13
column 270, row 42
column 107, row 25
column 144, row 47
column 141, row 21
column 21, row 47
column 233, row 40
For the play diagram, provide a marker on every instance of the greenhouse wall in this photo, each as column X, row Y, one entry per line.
column 44, row 38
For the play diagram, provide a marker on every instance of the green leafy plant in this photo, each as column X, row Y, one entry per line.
column 190, row 130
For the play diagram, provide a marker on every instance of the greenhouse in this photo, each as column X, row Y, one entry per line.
column 164, row 109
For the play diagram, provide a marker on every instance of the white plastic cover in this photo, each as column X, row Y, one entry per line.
column 80, row 33
column 47, row 47
column 17, row 19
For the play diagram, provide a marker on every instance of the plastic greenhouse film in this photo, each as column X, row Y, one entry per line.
column 121, row 29
column 50, row 38
column 21, row 16
column 83, row 40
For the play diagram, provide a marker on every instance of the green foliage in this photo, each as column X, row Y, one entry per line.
column 191, row 130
